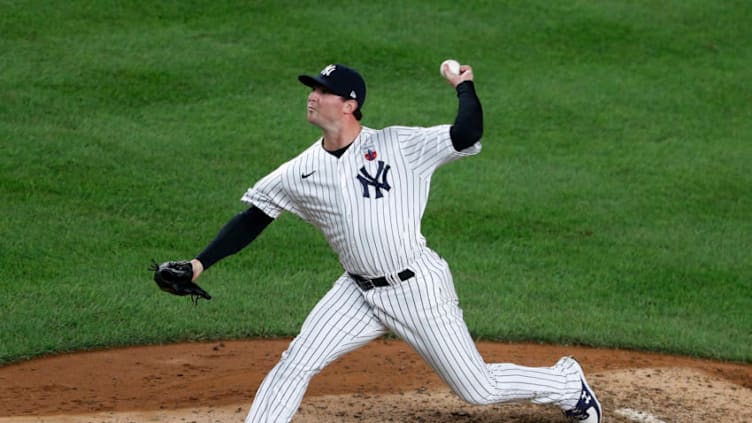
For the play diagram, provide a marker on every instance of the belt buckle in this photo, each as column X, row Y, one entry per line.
column 363, row 283
column 367, row 285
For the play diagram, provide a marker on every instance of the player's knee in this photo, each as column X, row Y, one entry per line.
column 297, row 360
column 473, row 397
column 293, row 365
column 474, row 400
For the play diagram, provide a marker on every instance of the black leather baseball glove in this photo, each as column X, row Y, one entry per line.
column 176, row 277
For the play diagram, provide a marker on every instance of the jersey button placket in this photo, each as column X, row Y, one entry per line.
column 343, row 191
column 345, row 209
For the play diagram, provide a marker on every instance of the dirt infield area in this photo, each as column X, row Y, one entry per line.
column 382, row 382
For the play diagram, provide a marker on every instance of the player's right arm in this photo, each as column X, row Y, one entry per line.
column 468, row 126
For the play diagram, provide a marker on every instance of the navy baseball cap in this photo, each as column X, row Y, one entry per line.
column 341, row 80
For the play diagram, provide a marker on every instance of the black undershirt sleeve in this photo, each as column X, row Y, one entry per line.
column 235, row 235
column 468, row 126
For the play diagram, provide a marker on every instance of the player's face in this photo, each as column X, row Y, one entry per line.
column 324, row 107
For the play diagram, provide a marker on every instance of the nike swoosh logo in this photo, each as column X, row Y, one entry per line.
column 305, row 175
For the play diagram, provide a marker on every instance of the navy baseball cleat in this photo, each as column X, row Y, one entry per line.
column 587, row 409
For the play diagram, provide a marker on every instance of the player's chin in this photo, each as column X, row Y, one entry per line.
column 311, row 116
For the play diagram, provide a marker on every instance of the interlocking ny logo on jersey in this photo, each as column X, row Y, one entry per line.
column 379, row 181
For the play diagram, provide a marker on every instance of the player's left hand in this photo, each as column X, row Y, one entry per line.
column 176, row 277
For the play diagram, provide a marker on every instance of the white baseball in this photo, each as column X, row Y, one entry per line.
column 454, row 67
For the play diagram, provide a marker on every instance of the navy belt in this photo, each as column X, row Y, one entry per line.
column 367, row 284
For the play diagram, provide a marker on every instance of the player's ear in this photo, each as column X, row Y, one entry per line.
column 350, row 106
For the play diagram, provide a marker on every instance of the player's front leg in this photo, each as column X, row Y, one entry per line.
column 340, row 322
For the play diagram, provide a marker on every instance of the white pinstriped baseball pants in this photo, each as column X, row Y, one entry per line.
column 424, row 312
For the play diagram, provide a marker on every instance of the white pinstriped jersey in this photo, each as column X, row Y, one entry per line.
column 369, row 202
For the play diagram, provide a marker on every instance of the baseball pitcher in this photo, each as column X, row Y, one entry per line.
column 366, row 190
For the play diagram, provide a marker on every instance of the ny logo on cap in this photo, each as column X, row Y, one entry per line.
column 328, row 70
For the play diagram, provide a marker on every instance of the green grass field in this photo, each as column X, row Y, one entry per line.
column 612, row 205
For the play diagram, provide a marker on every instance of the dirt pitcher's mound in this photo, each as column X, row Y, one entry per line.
column 382, row 382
